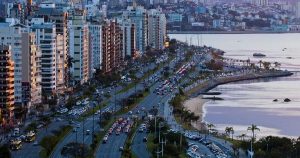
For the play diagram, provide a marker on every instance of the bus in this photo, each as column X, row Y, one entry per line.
column 30, row 136
column 15, row 144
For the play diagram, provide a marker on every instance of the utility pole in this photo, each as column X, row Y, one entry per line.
column 93, row 130
column 83, row 122
column 162, row 147
column 76, row 136
column 115, row 109
column 157, row 152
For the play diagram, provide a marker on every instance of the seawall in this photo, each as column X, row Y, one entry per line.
column 206, row 85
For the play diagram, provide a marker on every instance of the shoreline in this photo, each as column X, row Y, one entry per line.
column 231, row 32
column 195, row 102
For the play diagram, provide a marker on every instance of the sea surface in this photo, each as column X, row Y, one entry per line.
column 251, row 102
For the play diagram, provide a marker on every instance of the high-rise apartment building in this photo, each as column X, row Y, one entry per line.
column 10, row 35
column 129, row 39
column 6, row 86
column 138, row 15
column 16, row 10
column 79, row 46
column 46, row 39
column 260, row 2
column 112, row 39
column 156, row 28
column 297, row 9
column 95, row 30
column 59, row 17
column 31, row 71
column 27, row 64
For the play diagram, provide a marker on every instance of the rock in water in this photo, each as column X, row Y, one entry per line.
column 287, row 100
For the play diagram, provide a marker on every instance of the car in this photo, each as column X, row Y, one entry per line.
column 74, row 130
column 39, row 126
column 121, row 148
column 35, row 143
column 88, row 132
column 141, row 130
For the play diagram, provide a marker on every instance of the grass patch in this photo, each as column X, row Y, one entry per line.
column 127, row 109
column 127, row 153
column 150, row 143
column 48, row 143
column 99, row 136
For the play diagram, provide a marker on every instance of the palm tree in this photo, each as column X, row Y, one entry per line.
column 242, row 136
column 229, row 130
column 266, row 65
column 260, row 63
column 277, row 65
column 253, row 128
column 210, row 126
column 248, row 62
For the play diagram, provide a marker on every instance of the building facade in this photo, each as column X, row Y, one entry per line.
column 6, row 87
column 46, row 39
column 156, row 28
column 138, row 15
column 31, row 71
column 95, row 31
column 112, row 39
column 129, row 39
column 51, row 13
column 10, row 35
column 79, row 46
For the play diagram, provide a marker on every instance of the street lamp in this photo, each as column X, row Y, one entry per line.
column 93, row 130
column 115, row 108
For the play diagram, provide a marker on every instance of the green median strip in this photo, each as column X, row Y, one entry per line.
column 49, row 142
column 127, row 152
column 91, row 111
column 99, row 136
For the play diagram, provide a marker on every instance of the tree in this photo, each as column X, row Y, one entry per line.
column 210, row 126
column 242, row 136
column 253, row 128
column 266, row 65
column 260, row 63
column 277, row 65
column 228, row 131
column 4, row 152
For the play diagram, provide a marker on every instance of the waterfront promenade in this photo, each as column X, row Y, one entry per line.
column 205, row 85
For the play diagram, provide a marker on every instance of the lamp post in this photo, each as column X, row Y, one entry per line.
column 115, row 108
column 93, row 130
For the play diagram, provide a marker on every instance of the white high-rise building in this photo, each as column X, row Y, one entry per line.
column 26, row 56
column 95, row 31
column 297, row 9
column 79, row 46
column 10, row 35
column 260, row 2
column 138, row 15
column 156, row 28
column 129, row 38
column 46, row 38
